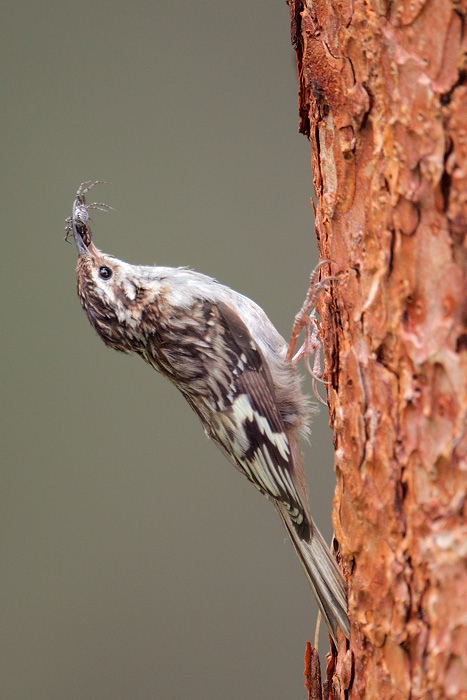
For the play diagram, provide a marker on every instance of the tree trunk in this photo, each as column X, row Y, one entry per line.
column 383, row 100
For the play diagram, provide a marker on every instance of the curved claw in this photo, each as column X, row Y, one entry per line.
column 322, row 282
column 316, row 379
column 308, row 306
column 305, row 320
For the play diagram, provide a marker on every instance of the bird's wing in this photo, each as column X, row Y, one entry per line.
column 249, row 427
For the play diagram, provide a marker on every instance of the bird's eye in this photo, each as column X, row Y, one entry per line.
column 105, row 272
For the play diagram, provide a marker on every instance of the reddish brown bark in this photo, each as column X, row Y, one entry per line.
column 383, row 99
column 312, row 673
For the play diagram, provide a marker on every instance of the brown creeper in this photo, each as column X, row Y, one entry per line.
column 230, row 363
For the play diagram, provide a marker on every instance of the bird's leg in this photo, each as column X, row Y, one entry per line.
column 306, row 320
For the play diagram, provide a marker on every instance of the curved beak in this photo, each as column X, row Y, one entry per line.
column 81, row 230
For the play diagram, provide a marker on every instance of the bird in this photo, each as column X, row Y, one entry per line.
column 233, row 368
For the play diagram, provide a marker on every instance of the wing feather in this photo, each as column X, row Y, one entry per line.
column 252, row 431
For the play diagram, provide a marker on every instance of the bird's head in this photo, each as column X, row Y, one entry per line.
column 114, row 294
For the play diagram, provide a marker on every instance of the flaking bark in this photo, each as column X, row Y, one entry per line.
column 383, row 100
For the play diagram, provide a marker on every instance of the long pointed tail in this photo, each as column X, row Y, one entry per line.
column 325, row 579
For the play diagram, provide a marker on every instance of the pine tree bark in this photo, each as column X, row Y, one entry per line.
column 383, row 100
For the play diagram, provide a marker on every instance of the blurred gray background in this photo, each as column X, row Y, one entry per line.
column 136, row 562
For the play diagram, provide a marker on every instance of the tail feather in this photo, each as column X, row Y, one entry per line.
column 324, row 577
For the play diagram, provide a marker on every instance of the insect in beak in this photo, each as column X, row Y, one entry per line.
column 78, row 222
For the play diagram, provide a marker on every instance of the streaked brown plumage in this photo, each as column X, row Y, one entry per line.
column 229, row 362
